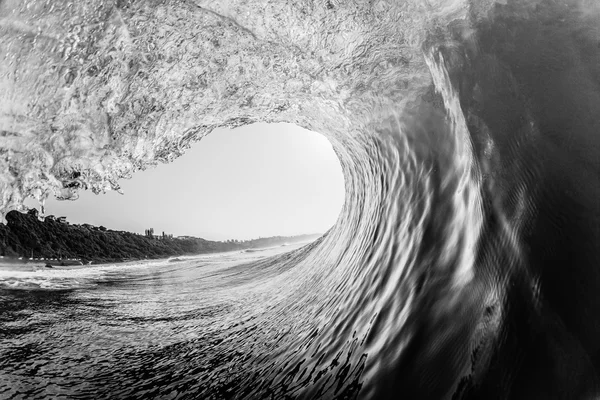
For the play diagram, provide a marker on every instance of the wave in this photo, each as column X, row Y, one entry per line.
column 464, row 261
column 37, row 276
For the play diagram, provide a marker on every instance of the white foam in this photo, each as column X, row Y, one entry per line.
column 27, row 276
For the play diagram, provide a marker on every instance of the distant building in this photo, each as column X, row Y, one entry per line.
column 50, row 218
column 62, row 220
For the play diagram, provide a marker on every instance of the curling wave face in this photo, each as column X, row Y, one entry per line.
column 464, row 262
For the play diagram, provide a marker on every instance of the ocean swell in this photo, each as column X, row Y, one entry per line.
column 464, row 261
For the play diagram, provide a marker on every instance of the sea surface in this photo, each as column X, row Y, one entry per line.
column 186, row 327
column 465, row 263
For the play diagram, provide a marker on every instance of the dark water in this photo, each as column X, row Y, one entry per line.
column 214, row 326
column 465, row 263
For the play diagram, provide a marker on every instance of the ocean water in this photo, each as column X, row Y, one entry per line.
column 464, row 264
column 210, row 326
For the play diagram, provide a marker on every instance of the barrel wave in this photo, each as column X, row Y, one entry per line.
column 464, row 264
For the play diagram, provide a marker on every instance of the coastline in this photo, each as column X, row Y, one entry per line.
column 27, row 238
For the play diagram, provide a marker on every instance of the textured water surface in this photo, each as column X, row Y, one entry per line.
column 204, row 327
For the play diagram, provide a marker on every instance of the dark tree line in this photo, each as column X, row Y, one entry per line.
column 25, row 235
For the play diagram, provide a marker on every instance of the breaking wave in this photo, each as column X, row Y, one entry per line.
column 464, row 263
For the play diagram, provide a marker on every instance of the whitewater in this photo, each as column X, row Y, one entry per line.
column 464, row 263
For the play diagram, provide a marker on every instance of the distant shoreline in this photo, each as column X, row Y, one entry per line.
column 29, row 239
column 8, row 260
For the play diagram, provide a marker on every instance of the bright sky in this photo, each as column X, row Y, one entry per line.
column 258, row 180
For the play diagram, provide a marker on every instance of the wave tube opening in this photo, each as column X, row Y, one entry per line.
column 254, row 181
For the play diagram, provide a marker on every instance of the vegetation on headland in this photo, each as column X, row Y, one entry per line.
column 26, row 235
